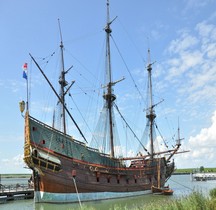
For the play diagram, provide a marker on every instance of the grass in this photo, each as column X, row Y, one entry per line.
column 195, row 201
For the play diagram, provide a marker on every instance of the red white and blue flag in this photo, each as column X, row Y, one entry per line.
column 25, row 67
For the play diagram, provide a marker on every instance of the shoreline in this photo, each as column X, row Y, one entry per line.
column 10, row 176
column 184, row 171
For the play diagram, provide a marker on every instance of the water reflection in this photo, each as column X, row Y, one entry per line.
column 181, row 184
column 130, row 203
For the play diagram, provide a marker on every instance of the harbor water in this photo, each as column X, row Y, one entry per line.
column 181, row 184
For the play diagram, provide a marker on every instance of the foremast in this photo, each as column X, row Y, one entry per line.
column 63, row 89
column 63, row 83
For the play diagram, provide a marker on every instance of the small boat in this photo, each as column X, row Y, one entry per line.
column 168, row 192
column 162, row 190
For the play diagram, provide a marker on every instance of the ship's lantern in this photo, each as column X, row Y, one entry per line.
column 22, row 106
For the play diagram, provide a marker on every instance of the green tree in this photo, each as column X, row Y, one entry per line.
column 202, row 169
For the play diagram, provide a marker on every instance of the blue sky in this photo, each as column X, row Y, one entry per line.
column 182, row 39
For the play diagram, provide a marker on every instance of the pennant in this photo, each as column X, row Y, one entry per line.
column 24, row 74
column 25, row 67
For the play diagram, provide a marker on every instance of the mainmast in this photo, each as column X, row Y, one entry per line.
column 150, row 111
column 109, row 96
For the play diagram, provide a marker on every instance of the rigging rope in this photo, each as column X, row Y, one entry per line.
column 132, row 41
column 181, row 184
column 130, row 128
column 161, row 135
column 58, row 98
column 85, row 68
column 127, row 69
column 81, row 115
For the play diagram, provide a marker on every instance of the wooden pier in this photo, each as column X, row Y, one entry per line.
column 203, row 176
column 15, row 192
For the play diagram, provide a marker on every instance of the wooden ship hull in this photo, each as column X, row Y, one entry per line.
column 65, row 170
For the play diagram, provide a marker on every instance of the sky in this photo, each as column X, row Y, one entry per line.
column 181, row 36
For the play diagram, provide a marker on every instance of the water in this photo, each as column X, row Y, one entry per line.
column 14, row 181
column 181, row 184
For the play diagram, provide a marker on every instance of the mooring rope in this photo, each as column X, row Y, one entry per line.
column 77, row 192
column 181, row 184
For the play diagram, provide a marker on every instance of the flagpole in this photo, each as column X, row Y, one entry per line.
column 27, row 97
column 25, row 76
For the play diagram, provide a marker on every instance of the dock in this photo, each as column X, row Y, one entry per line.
column 15, row 192
column 203, row 176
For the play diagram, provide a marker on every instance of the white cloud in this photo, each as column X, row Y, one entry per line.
column 206, row 137
column 13, row 86
column 14, row 164
column 191, row 68
column 191, row 71
column 202, row 148
column 204, row 29
column 185, row 42
column 195, row 5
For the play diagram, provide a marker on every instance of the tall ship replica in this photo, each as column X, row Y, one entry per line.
column 67, row 170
